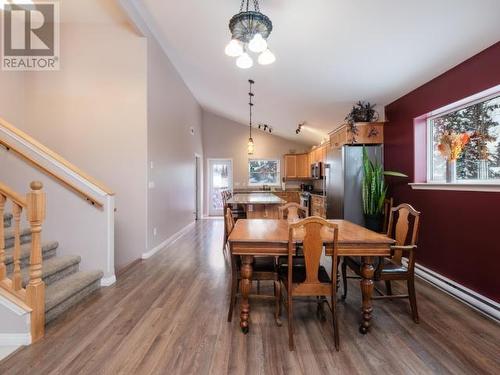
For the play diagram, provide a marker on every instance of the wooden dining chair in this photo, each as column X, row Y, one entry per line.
column 292, row 211
column 403, row 226
column 388, row 204
column 310, row 279
column 264, row 269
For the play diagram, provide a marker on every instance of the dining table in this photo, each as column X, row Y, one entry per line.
column 269, row 237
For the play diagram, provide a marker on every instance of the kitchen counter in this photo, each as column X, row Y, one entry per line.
column 258, row 205
column 256, row 198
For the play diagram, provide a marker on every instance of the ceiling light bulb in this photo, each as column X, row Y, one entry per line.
column 250, row 146
column 234, row 48
column 266, row 57
column 244, row 61
column 257, row 44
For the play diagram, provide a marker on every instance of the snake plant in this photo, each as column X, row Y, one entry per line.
column 374, row 189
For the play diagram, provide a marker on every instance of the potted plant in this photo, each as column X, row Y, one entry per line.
column 374, row 191
column 361, row 112
column 450, row 146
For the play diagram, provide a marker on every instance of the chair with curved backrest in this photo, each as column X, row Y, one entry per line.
column 310, row 279
column 388, row 204
column 264, row 268
column 292, row 211
column 403, row 227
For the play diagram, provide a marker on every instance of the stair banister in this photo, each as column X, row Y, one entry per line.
column 34, row 294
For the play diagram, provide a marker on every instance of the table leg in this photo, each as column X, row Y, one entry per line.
column 245, row 286
column 367, row 272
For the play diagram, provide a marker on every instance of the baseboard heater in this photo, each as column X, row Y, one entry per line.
column 478, row 302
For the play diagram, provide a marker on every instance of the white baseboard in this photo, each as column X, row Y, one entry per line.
column 15, row 339
column 169, row 241
column 475, row 300
column 107, row 281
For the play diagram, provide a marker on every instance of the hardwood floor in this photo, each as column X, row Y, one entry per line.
column 167, row 315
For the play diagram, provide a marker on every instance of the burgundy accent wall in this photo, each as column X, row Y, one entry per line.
column 460, row 231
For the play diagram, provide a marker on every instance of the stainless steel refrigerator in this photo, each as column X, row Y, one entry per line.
column 343, row 176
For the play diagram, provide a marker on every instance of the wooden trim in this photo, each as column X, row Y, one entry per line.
column 61, row 180
column 55, row 156
column 465, row 186
column 12, row 195
column 6, row 293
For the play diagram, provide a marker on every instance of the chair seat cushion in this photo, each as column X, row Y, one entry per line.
column 388, row 267
column 299, row 274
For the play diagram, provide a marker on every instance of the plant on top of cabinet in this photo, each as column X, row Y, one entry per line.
column 361, row 112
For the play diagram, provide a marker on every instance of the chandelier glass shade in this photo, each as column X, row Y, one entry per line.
column 249, row 32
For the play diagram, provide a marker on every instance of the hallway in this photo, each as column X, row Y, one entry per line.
column 167, row 315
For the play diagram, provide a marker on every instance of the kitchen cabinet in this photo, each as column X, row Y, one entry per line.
column 303, row 166
column 296, row 166
column 367, row 133
column 289, row 196
column 290, row 166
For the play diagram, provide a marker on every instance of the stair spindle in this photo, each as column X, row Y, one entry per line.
column 3, row 272
column 35, row 290
column 17, row 280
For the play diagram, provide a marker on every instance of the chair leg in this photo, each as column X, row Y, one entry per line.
column 388, row 287
column 291, row 344
column 344, row 279
column 277, row 308
column 232, row 301
column 413, row 299
column 335, row 323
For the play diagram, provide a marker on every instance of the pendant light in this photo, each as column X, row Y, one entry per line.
column 250, row 30
column 251, row 145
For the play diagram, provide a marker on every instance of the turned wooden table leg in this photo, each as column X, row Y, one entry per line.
column 245, row 286
column 367, row 272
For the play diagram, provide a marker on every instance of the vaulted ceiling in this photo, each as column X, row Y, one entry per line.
column 330, row 54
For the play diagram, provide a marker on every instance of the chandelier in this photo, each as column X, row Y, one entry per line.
column 249, row 32
column 251, row 145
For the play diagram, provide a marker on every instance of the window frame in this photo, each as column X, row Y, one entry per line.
column 277, row 160
column 454, row 107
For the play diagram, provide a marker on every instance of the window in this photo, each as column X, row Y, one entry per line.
column 480, row 158
column 263, row 172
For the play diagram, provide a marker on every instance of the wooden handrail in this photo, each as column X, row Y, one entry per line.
column 9, row 193
column 63, row 181
column 19, row 133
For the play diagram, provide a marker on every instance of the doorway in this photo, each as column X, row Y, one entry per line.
column 197, row 192
column 220, row 177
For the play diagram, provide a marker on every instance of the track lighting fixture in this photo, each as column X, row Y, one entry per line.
column 299, row 127
column 265, row 127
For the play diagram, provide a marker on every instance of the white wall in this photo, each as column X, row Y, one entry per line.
column 227, row 139
column 93, row 111
column 172, row 112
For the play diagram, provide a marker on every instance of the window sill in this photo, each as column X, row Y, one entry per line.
column 460, row 186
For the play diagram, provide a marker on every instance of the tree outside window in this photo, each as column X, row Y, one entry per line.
column 481, row 121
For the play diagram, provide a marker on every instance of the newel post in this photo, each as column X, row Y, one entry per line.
column 35, row 290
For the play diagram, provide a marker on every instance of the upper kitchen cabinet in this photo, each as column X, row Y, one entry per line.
column 296, row 166
column 365, row 133
column 290, row 166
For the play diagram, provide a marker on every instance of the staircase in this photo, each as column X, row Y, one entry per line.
column 65, row 284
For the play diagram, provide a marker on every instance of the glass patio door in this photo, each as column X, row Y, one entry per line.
column 220, row 178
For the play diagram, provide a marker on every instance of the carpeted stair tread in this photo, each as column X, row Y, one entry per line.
column 65, row 288
column 7, row 220
column 9, row 233
column 53, row 266
column 26, row 251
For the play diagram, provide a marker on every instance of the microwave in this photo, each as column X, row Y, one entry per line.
column 316, row 171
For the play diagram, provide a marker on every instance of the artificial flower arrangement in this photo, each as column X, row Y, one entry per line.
column 451, row 144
